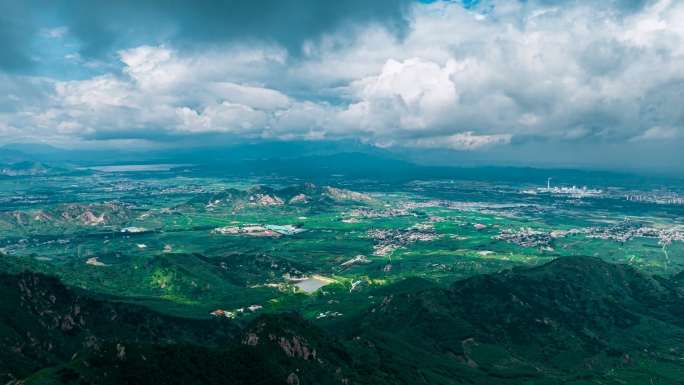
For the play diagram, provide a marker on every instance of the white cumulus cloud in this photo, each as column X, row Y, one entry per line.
column 497, row 74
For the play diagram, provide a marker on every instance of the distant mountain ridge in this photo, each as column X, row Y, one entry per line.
column 24, row 168
column 33, row 148
column 316, row 161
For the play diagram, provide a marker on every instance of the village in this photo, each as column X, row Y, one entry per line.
column 526, row 237
column 389, row 240
column 624, row 231
column 371, row 213
column 620, row 232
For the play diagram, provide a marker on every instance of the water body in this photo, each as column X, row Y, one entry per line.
column 311, row 285
column 136, row 167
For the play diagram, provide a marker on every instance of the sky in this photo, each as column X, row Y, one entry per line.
column 596, row 82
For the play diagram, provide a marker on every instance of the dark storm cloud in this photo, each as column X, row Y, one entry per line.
column 16, row 29
column 105, row 26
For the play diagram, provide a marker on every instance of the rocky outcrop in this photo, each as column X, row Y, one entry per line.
column 292, row 379
column 301, row 198
column 296, row 347
column 65, row 214
column 267, row 200
column 307, row 193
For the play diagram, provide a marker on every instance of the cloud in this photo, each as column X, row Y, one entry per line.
column 16, row 28
column 158, row 91
column 104, row 27
column 656, row 134
column 461, row 141
column 56, row 32
column 440, row 75
column 408, row 95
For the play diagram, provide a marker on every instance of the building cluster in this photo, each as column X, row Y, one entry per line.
column 411, row 205
column 506, row 209
column 254, row 229
column 12, row 246
column 389, row 240
column 329, row 313
column 526, row 237
column 369, row 213
column 183, row 189
column 619, row 232
column 284, row 229
column 220, row 312
column 623, row 232
column 657, row 196
column 25, row 199
column 233, row 314
column 654, row 197
column 572, row 192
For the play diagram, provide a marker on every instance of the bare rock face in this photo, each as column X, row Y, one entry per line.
column 41, row 216
column 65, row 214
column 120, row 351
column 292, row 379
column 251, row 339
column 268, row 200
column 339, row 194
column 90, row 218
column 295, row 347
column 282, row 333
column 301, row 198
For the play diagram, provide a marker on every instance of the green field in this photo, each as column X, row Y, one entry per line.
column 180, row 265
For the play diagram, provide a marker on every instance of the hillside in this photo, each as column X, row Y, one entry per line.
column 65, row 218
column 44, row 323
column 307, row 193
column 184, row 284
column 25, row 168
column 273, row 349
column 574, row 315
column 574, row 320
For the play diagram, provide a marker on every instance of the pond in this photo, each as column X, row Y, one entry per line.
column 311, row 285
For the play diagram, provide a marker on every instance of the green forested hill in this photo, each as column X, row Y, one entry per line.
column 182, row 284
column 273, row 349
column 575, row 316
column 575, row 320
column 44, row 323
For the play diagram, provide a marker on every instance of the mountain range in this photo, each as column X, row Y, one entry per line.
column 317, row 161
column 574, row 320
